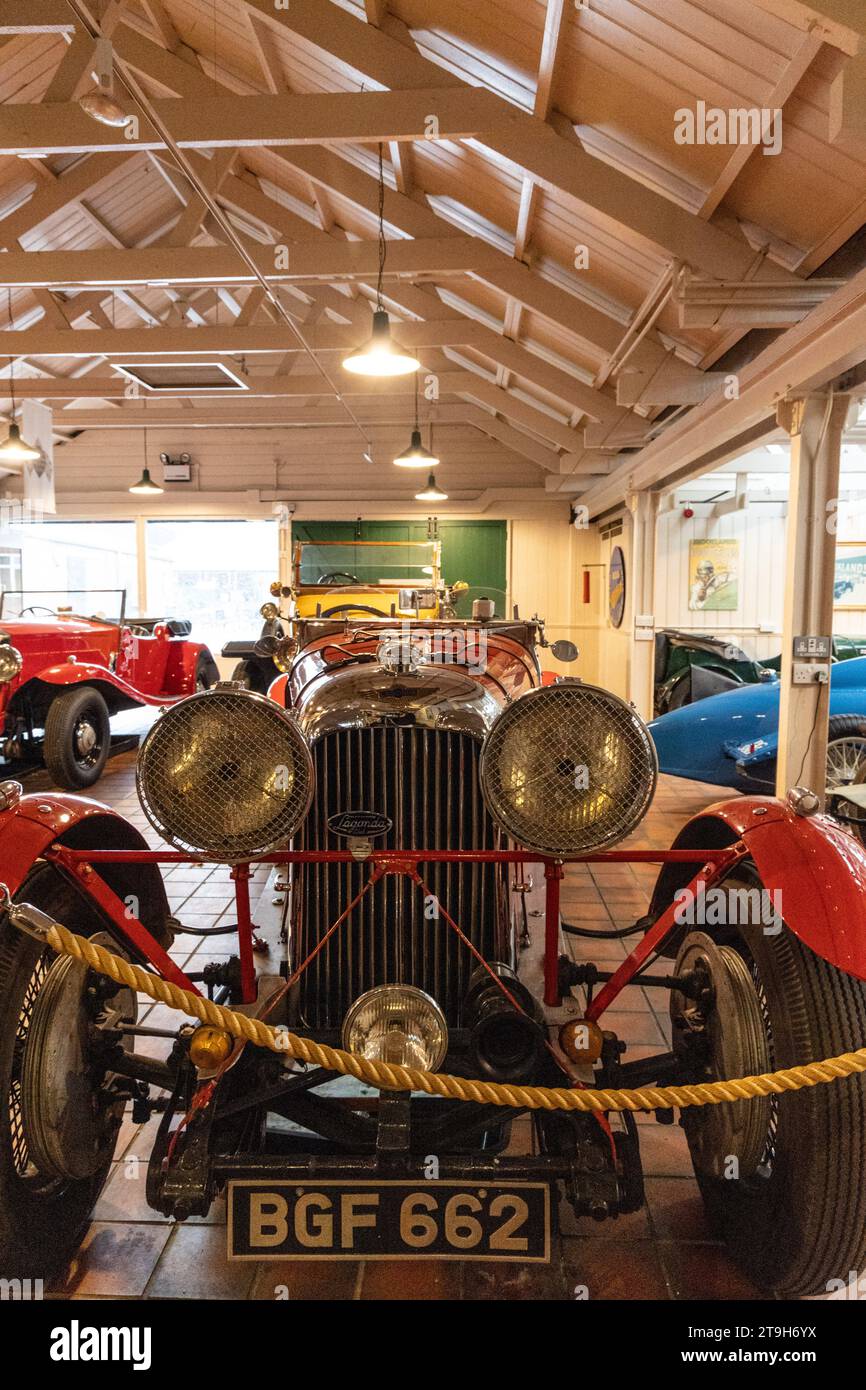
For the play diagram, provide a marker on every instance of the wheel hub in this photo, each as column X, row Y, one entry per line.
column 86, row 738
column 70, row 1129
column 718, row 1037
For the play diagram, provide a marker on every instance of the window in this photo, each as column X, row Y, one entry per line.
column 59, row 556
column 10, row 568
column 216, row 573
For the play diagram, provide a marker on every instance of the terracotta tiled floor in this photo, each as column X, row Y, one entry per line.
column 663, row 1252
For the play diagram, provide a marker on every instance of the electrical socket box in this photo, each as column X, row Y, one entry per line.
column 810, row 673
column 815, row 647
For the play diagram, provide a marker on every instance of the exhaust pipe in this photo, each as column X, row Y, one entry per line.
column 505, row 1043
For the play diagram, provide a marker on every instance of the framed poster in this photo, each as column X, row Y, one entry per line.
column 714, row 576
column 616, row 586
column 849, row 579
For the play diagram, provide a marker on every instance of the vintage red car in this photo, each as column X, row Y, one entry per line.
column 401, row 786
column 66, row 668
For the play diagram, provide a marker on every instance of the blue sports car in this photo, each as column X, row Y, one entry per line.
column 731, row 739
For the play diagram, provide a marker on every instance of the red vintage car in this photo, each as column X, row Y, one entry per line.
column 402, row 787
column 66, row 668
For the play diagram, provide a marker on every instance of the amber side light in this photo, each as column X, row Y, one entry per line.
column 581, row 1040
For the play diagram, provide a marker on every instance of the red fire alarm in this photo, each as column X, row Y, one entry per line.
column 688, row 513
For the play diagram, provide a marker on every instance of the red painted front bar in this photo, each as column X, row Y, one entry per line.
column 710, row 873
column 411, row 856
column 553, row 876
column 241, row 876
column 713, row 863
column 126, row 922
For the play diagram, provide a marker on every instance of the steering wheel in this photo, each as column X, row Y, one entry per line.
column 339, row 577
column 37, row 608
column 354, row 608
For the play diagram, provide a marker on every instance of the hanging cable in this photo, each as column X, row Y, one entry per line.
column 383, row 245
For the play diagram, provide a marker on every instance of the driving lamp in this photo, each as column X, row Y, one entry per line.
column 568, row 769
column 397, row 1024
column 226, row 773
column 11, row 662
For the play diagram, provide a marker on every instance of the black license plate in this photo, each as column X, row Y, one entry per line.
column 341, row 1219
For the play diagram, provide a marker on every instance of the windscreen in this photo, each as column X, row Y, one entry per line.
column 102, row 605
column 374, row 564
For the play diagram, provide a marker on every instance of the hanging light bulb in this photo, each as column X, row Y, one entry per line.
column 145, row 486
column 101, row 103
column 416, row 456
column 431, row 493
column 14, row 449
column 380, row 356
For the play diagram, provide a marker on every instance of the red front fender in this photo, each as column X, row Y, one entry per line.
column 88, row 673
column 47, row 818
column 817, row 867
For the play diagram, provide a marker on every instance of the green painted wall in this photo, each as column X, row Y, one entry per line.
column 475, row 551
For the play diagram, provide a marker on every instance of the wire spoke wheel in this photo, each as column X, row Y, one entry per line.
column 781, row 1176
column 60, row 1123
column 846, row 766
column 25, row 1168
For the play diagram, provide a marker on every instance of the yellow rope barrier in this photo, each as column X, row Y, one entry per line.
column 389, row 1077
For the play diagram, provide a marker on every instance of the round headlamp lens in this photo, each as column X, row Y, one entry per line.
column 11, row 662
column 398, row 1024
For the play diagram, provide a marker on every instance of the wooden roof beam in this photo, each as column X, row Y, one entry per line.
column 796, row 69
column 314, row 118
column 410, row 216
column 552, row 155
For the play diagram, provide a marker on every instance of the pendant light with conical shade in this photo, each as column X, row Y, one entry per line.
column 146, row 487
column 432, row 492
column 14, row 449
column 416, row 456
column 380, row 356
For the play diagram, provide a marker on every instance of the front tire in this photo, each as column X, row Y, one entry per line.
column 77, row 737
column 795, row 1219
column 242, row 675
column 42, row 1217
column 206, row 672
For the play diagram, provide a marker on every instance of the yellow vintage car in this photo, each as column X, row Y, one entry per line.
column 346, row 581
column 379, row 579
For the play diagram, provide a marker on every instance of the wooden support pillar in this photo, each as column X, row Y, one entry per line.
column 284, row 523
column 815, row 425
column 644, row 508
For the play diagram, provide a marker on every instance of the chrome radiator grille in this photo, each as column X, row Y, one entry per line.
column 426, row 781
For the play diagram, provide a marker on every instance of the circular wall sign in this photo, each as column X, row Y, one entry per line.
column 616, row 586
